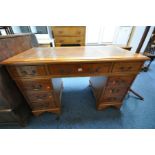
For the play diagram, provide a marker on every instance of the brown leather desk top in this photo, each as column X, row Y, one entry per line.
column 74, row 54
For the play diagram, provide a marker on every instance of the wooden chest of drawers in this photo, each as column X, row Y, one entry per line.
column 69, row 35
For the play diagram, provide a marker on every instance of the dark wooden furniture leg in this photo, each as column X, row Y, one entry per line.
column 136, row 94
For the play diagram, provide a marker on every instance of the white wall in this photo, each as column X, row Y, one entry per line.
column 136, row 36
column 122, row 35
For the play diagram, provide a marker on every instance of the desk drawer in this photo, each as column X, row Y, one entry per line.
column 35, row 85
column 39, row 96
column 69, row 69
column 127, row 66
column 68, row 31
column 119, row 91
column 42, row 105
column 122, row 81
column 26, row 71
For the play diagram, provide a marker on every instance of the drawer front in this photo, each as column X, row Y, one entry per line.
column 114, row 92
column 39, row 96
column 68, row 31
column 67, row 69
column 42, row 105
column 69, row 40
column 120, row 81
column 24, row 71
column 127, row 66
column 35, row 85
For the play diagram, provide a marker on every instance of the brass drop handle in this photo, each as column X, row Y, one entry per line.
column 114, row 91
column 35, row 89
column 98, row 69
column 129, row 68
column 26, row 73
column 125, row 68
column 38, row 87
column 41, row 97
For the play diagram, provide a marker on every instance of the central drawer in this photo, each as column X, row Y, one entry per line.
column 74, row 69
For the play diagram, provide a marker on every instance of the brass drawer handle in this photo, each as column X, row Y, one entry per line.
column 66, row 71
column 43, row 97
column 26, row 73
column 126, row 68
column 38, row 87
column 98, row 69
column 114, row 90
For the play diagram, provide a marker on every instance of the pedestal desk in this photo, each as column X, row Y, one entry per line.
column 38, row 73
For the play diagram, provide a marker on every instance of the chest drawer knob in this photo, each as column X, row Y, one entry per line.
column 114, row 90
column 60, row 32
column 78, row 41
column 78, row 32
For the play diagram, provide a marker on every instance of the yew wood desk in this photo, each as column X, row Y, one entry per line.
column 38, row 73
